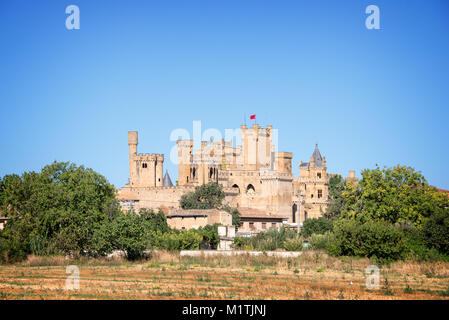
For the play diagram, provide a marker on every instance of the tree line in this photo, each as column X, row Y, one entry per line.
column 72, row 210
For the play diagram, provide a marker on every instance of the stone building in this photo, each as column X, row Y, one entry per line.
column 310, row 189
column 254, row 176
column 254, row 221
column 194, row 219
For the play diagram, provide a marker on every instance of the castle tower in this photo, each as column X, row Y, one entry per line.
column 185, row 157
column 145, row 170
column 313, row 186
column 256, row 143
column 284, row 162
column 132, row 143
column 159, row 164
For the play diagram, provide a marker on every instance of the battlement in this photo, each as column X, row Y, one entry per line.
column 150, row 156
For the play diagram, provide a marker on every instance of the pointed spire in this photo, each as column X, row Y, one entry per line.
column 167, row 181
column 316, row 156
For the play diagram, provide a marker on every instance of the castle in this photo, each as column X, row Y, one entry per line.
column 256, row 179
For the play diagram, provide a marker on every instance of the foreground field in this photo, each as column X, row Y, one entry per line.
column 168, row 276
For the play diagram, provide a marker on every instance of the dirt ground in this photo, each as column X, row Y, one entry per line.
column 168, row 276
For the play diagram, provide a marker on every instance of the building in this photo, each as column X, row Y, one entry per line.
column 352, row 178
column 310, row 189
column 255, row 178
column 255, row 221
column 194, row 219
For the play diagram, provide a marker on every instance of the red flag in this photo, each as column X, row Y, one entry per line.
column 252, row 117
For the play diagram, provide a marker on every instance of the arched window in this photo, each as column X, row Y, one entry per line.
column 237, row 187
column 250, row 189
column 211, row 171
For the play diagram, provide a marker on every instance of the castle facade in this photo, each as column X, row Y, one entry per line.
column 256, row 178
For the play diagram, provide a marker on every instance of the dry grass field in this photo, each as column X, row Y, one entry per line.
column 169, row 276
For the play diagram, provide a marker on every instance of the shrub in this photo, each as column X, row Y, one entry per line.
column 435, row 231
column 293, row 244
column 242, row 243
column 126, row 233
column 265, row 241
column 316, row 226
column 372, row 239
column 321, row 241
column 210, row 237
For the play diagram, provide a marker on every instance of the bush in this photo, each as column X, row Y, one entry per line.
column 321, row 241
column 126, row 233
column 265, row 241
column 210, row 237
column 435, row 232
column 316, row 226
column 178, row 240
column 293, row 244
column 417, row 246
column 372, row 239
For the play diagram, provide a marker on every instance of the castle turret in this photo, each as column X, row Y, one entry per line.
column 132, row 143
column 159, row 163
column 185, row 157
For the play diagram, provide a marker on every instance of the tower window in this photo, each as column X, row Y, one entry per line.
column 144, row 165
column 318, row 175
column 320, row 193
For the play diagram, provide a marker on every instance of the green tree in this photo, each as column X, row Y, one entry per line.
column 154, row 221
column 398, row 194
column 206, row 196
column 335, row 199
column 61, row 206
column 126, row 233
column 316, row 226
column 435, row 232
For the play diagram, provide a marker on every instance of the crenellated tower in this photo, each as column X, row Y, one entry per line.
column 145, row 170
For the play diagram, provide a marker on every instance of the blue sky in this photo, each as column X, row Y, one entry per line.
column 309, row 68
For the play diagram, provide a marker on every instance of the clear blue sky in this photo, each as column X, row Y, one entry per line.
column 309, row 68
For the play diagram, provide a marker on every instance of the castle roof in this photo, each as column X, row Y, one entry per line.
column 316, row 157
column 167, row 181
